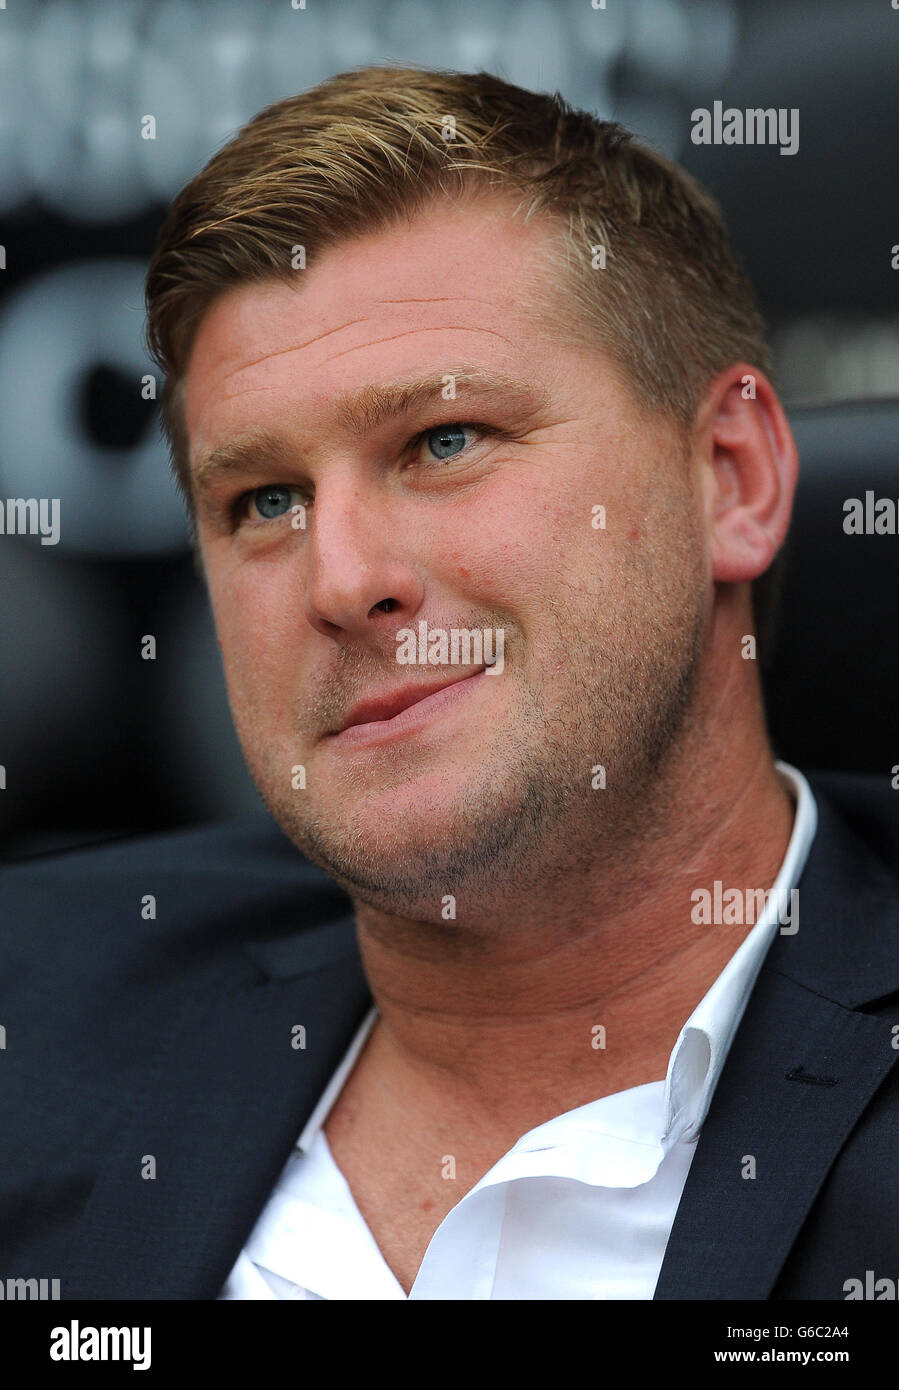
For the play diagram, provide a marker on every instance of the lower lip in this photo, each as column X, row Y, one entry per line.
column 380, row 730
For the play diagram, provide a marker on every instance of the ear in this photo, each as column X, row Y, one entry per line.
column 749, row 468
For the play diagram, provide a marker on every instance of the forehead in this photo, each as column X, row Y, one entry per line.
column 456, row 283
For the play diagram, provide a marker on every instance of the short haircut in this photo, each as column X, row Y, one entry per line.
column 373, row 146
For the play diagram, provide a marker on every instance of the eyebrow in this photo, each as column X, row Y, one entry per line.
column 360, row 411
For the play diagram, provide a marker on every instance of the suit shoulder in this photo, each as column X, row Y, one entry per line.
column 196, row 893
column 104, row 948
column 869, row 804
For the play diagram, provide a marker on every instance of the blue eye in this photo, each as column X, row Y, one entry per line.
column 271, row 502
column 446, row 440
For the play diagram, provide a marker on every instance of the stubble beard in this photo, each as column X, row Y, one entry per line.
column 530, row 815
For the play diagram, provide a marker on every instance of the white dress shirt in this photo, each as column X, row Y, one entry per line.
column 581, row 1208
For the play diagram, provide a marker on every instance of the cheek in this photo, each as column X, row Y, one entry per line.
column 259, row 632
column 577, row 541
column 496, row 548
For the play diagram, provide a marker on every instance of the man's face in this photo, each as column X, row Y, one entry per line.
column 491, row 523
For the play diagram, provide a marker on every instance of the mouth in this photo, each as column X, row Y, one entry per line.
column 395, row 712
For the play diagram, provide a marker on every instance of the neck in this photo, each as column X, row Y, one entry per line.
column 497, row 1020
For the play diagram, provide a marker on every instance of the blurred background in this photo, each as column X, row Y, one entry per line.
column 96, row 742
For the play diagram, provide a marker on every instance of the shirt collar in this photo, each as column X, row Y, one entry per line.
column 702, row 1046
column 699, row 1054
column 335, row 1085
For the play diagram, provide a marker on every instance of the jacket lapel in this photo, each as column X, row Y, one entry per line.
column 223, row 1101
column 225, row 1095
column 732, row 1233
column 802, row 1068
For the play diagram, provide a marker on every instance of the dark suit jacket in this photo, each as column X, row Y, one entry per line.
column 129, row 1038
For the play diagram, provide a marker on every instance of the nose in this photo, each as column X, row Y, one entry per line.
column 359, row 581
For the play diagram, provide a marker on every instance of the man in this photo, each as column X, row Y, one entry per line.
column 472, row 408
